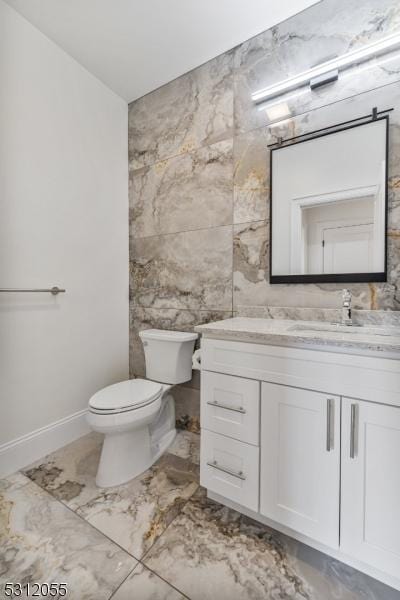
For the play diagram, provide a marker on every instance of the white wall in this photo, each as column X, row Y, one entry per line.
column 64, row 221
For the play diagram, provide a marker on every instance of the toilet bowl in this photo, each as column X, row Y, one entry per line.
column 137, row 417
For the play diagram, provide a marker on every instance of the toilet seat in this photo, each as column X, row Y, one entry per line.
column 125, row 396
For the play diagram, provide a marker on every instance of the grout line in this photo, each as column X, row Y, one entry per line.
column 211, row 227
column 48, row 492
column 192, row 310
column 167, row 527
column 139, row 561
column 123, row 581
column 158, row 235
column 165, row 580
column 229, row 137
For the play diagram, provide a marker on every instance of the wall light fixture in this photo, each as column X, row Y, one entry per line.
column 328, row 71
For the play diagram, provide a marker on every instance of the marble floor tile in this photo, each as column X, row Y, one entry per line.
column 136, row 514
column 210, row 551
column 69, row 473
column 191, row 191
column 186, row 445
column 143, row 584
column 133, row 515
column 12, row 482
column 41, row 540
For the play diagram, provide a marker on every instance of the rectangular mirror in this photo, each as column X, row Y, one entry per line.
column 329, row 207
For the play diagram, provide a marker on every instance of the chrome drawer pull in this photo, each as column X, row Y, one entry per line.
column 232, row 408
column 215, row 465
column 330, row 405
column 353, row 430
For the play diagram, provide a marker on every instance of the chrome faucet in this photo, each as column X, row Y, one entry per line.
column 346, row 308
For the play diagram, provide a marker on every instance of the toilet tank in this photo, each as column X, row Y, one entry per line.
column 168, row 355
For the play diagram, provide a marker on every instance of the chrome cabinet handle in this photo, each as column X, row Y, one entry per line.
column 330, row 405
column 232, row 408
column 353, row 430
column 215, row 465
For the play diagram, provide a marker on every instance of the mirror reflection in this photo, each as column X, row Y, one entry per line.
column 329, row 206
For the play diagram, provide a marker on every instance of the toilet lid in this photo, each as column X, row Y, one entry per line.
column 126, row 394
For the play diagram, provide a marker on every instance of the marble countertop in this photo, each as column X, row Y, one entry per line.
column 302, row 333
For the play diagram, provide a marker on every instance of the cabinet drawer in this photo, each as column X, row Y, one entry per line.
column 230, row 468
column 230, row 405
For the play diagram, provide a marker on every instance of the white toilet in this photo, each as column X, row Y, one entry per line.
column 138, row 416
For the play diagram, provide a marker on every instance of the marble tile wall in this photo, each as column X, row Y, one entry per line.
column 199, row 176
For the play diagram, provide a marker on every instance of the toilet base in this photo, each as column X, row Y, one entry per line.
column 130, row 448
column 124, row 456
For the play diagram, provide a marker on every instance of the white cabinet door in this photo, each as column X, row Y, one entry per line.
column 370, row 497
column 300, row 461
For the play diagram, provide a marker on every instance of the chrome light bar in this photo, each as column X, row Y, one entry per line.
column 339, row 63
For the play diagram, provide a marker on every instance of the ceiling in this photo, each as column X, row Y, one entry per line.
column 135, row 46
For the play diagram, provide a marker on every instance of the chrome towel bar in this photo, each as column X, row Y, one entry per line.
column 54, row 290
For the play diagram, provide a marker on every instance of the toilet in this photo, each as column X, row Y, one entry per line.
column 137, row 417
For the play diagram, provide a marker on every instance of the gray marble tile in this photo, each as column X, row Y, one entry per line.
column 382, row 318
column 191, row 270
column 69, row 473
column 387, row 295
column 191, row 191
column 170, row 319
column 186, row 445
column 289, row 312
column 328, row 28
column 143, row 584
column 191, row 111
column 13, row 481
column 209, row 547
column 250, row 263
column 187, row 408
column 136, row 515
column 252, row 287
column 133, row 515
column 251, row 177
column 41, row 540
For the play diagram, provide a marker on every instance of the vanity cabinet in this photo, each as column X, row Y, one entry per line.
column 307, row 441
column 300, row 460
column 370, row 498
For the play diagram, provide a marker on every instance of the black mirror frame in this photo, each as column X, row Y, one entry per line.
column 331, row 277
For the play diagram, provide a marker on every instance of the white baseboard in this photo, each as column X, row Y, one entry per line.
column 30, row 447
